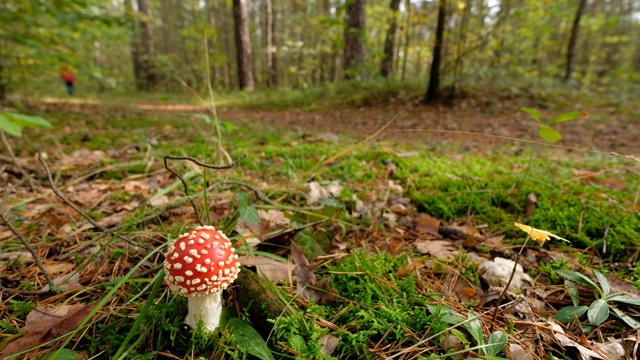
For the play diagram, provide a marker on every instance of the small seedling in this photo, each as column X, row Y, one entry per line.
column 599, row 310
column 545, row 131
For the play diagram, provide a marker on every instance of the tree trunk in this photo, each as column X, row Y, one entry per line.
column 407, row 38
column 243, row 46
column 386, row 68
column 272, row 63
column 142, row 47
column 573, row 40
column 354, row 37
column 433, row 90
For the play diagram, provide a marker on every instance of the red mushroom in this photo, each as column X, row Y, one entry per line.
column 200, row 265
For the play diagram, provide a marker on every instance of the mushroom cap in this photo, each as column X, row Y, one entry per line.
column 201, row 262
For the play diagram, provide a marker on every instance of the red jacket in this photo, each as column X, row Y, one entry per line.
column 67, row 75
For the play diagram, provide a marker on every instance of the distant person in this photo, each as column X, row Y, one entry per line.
column 67, row 76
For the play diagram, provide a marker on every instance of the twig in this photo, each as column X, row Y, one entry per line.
column 63, row 197
column 199, row 163
column 14, row 159
column 120, row 227
column 52, row 286
column 506, row 288
column 55, row 189
column 260, row 194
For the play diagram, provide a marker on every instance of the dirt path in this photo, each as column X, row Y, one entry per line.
column 474, row 124
column 464, row 125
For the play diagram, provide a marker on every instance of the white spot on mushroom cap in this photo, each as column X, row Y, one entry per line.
column 187, row 259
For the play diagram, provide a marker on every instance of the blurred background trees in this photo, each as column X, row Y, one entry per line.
column 159, row 45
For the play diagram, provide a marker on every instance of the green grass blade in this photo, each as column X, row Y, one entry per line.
column 157, row 280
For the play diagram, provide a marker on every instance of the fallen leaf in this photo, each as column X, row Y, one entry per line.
column 306, row 282
column 58, row 267
column 427, row 224
column 66, row 283
column 45, row 323
column 564, row 340
column 275, row 218
column 329, row 344
column 318, row 192
column 441, row 249
column 517, row 352
column 273, row 269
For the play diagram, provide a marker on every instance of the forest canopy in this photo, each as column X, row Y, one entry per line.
column 161, row 45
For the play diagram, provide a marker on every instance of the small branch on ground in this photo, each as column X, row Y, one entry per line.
column 506, row 287
column 53, row 289
column 199, row 163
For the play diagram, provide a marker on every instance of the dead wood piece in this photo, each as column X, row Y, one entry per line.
column 255, row 296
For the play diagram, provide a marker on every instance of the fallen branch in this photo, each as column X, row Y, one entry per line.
column 53, row 289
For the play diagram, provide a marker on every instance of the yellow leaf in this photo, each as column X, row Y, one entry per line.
column 538, row 235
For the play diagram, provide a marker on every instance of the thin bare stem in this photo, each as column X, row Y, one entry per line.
column 52, row 286
column 63, row 197
column 506, row 287
column 199, row 163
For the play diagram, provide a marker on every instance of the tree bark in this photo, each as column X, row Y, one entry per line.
column 573, row 40
column 433, row 90
column 407, row 38
column 142, row 47
column 254, row 298
column 272, row 63
column 386, row 67
column 243, row 46
column 354, row 37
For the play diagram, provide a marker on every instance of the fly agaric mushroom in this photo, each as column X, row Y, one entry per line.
column 200, row 264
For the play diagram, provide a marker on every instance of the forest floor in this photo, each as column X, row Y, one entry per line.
column 418, row 211
column 475, row 123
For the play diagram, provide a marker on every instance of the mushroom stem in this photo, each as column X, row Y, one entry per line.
column 206, row 307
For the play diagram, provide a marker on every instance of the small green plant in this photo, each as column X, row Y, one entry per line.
column 20, row 309
column 600, row 309
column 13, row 123
column 488, row 348
column 545, row 131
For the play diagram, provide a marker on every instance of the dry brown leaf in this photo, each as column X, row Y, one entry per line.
column 427, row 224
column 66, row 283
column 44, row 324
column 318, row 192
column 517, row 352
column 275, row 218
column 441, row 249
column 58, row 267
column 306, row 282
column 329, row 344
column 273, row 269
